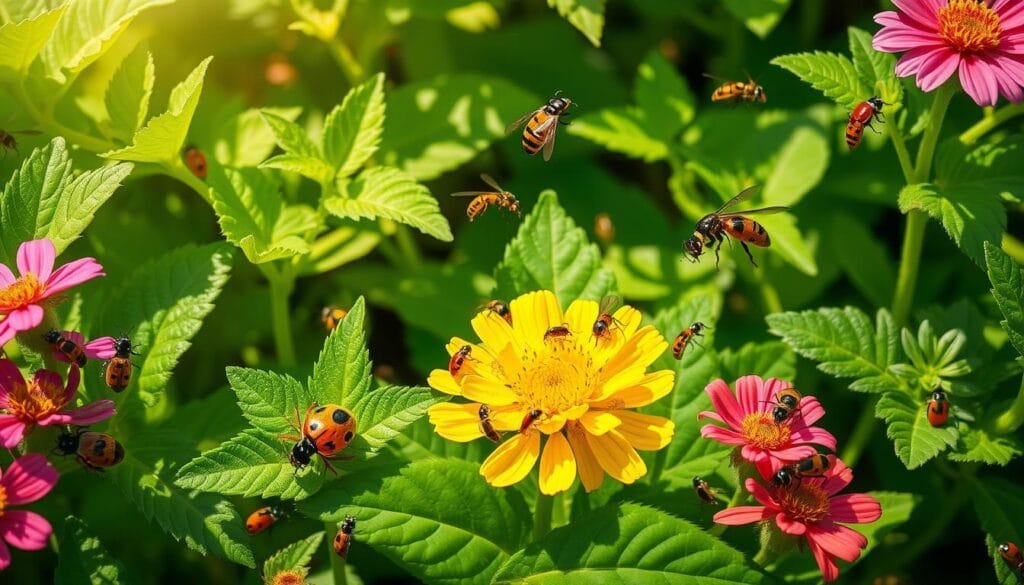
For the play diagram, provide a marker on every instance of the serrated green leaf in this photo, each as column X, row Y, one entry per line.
column 342, row 373
column 972, row 216
column 620, row 130
column 916, row 440
column 162, row 139
column 268, row 400
column 235, row 136
column 80, row 200
column 759, row 16
column 769, row 359
column 20, row 42
column 161, row 307
column 353, row 130
column 386, row 192
column 978, row 445
column 586, row 15
column 207, row 523
column 834, row 75
column 1000, row 506
column 550, row 252
column 431, row 498
column 663, row 96
column 629, row 544
column 385, row 411
column 876, row 69
column 290, row 136
column 293, row 557
column 127, row 95
column 1008, row 289
column 309, row 167
column 845, row 342
column 83, row 559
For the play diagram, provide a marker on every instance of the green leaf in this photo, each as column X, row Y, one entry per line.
column 268, row 400
column 663, row 96
column 870, row 270
column 586, row 15
column 845, row 343
column 294, row 557
column 760, row 16
column 620, row 130
column 162, row 306
column 83, row 559
column 386, row 192
column 876, row 69
column 833, row 75
column 551, row 253
column 20, row 42
column 1008, row 290
column 352, row 130
column 207, row 523
column 791, row 244
column 972, row 216
column 1000, row 506
column 629, row 544
column 418, row 520
column 769, row 359
column 127, row 95
column 301, row 156
column 916, row 440
column 978, row 445
column 80, row 200
column 162, row 139
column 386, row 411
column 253, row 215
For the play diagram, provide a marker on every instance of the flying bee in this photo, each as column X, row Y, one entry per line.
column 487, row 426
column 543, row 123
column 705, row 492
column 528, row 420
column 748, row 91
column 499, row 308
column 9, row 142
column 685, row 337
column 863, row 115
column 719, row 226
column 605, row 320
column 481, row 199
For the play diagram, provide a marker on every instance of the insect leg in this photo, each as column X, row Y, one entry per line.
column 872, row 128
column 749, row 255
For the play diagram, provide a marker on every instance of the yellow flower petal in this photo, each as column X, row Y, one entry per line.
column 512, row 460
column 442, row 380
column 599, row 422
column 644, row 431
column 590, row 471
column 617, row 457
column 550, row 424
column 639, row 351
column 495, row 333
column 532, row 315
column 456, row 422
column 507, row 418
column 576, row 412
column 647, row 390
column 627, row 320
column 624, row 378
column 581, row 315
column 487, row 391
column 557, row 465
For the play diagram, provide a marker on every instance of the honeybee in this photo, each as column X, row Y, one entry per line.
column 685, row 337
column 718, row 226
column 861, row 116
column 8, row 142
column 738, row 91
column 487, row 426
column 605, row 320
column 540, row 130
column 787, row 401
column 499, row 308
column 481, row 199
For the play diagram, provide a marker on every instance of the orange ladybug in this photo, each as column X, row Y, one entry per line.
column 263, row 518
column 195, row 160
column 93, row 450
column 1013, row 557
column 326, row 430
column 117, row 372
column 343, row 539
column 71, row 350
column 938, row 409
column 604, row 228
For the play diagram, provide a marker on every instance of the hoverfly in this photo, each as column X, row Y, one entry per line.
column 738, row 91
column 481, row 199
column 605, row 320
column 543, row 123
column 718, row 226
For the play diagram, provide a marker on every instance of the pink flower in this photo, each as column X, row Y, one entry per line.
column 101, row 348
column 983, row 41
column 42, row 402
column 27, row 479
column 21, row 298
column 812, row 510
column 764, row 442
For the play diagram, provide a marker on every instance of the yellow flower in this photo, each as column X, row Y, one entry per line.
column 582, row 385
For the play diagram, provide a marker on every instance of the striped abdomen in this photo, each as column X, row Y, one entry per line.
column 854, row 133
column 532, row 139
column 747, row 230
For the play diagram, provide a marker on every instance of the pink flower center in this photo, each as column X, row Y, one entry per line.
column 29, row 402
column 807, row 504
column 764, row 433
column 20, row 293
column 969, row 25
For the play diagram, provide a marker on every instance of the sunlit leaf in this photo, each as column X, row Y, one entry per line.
column 385, row 192
column 352, row 130
column 585, row 15
column 20, row 42
column 83, row 559
column 127, row 95
column 834, row 75
column 760, row 16
column 293, row 557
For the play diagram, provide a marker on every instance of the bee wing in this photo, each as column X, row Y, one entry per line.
column 762, row 211
column 468, row 193
column 490, row 181
column 519, row 122
column 609, row 303
column 716, row 78
column 740, row 197
column 549, row 140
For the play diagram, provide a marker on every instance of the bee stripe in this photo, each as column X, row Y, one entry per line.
column 737, row 224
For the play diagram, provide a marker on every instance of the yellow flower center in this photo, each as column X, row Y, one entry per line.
column 288, row 578
column 764, row 433
column 969, row 25
column 29, row 402
column 556, row 378
column 21, row 292
column 808, row 503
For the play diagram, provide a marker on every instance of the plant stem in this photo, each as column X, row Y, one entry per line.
column 1012, row 419
column 926, row 151
column 337, row 563
column 348, row 63
column 281, row 284
column 991, row 121
column 902, row 154
column 407, row 245
column 910, row 260
column 542, row 515
column 177, row 170
column 761, row 558
column 48, row 123
column 861, row 435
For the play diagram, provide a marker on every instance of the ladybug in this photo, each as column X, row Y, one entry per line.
column 861, row 116
column 1014, row 557
column 263, row 518
column 195, row 160
column 938, row 409
column 459, row 359
column 74, row 352
column 117, row 372
column 326, row 430
column 343, row 539
column 93, row 450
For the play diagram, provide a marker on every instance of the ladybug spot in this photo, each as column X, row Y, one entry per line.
column 99, row 446
column 330, row 445
column 348, row 436
column 314, row 425
column 341, row 416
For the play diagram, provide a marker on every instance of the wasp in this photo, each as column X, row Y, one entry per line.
column 605, row 320
column 813, row 466
column 481, row 199
column 499, row 308
column 938, row 409
column 543, row 123
column 705, row 492
column 528, row 420
column 719, row 226
column 787, row 401
column 861, row 116
column 685, row 337
column 487, row 426
column 9, row 142
column 738, row 91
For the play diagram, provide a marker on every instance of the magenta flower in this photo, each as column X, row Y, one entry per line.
column 748, row 414
column 101, row 348
column 42, row 401
column 982, row 41
column 812, row 510
column 29, row 478
column 21, row 299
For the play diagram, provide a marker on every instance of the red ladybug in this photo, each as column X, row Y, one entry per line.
column 195, row 160
column 343, row 539
column 863, row 115
column 938, row 409
column 263, row 518
column 1013, row 557
column 326, row 430
column 459, row 359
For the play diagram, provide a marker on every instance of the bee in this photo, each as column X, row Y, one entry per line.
column 705, row 492
column 71, row 350
column 481, row 199
column 738, row 91
column 195, row 160
column 93, row 450
column 332, row 316
column 528, row 420
column 685, row 337
column 500, row 309
column 861, row 116
column 1012, row 555
column 813, row 466
column 938, row 409
column 605, row 320
column 604, row 229
column 117, row 372
column 559, row 332
column 718, row 226
column 343, row 539
column 459, row 359
column 787, row 401
column 487, row 426
column 8, row 142
column 543, row 123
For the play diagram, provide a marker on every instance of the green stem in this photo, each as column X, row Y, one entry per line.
column 761, row 558
column 1012, row 419
column 281, row 284
column 407, row 246
column 861, row 435
column 177, row 169
column 542, row 515
column 926, row 151
column 1013, row 247
column 347, row 61
column 47, row 122
column 990, row 122
column 737, row 499
column 910, row 260
column 337, row 563
column 901, row 152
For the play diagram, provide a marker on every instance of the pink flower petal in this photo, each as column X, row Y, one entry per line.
column 854, row 508
column 74, row 376
column 1011, row 13
column 738, row 515
column 1009, row 87
column 790, row 526
column 925, row 13
column 7, row 332
column 72, row 274
column 5, row 555
column 36, row 257
column 725, row 403
column 722, row 435
column 897, row 40
column 937, row 68
column 25, row 530
column 48, row 379
column 10, row 377
column 29, row 478
column 769, row 392
column 93, row 412
column 6, row 276
column 794, row 453
column 761, row 494
column 809, row 412
column 100, row 349
column 839, row 541
column 829, row 569
column 978, row 81
column 910, row 63
column 749, row 394
column 710, row 414
column 12, row 431
column 837, row 477
column 765, row 463
column 816, row 435
column 25, row 318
